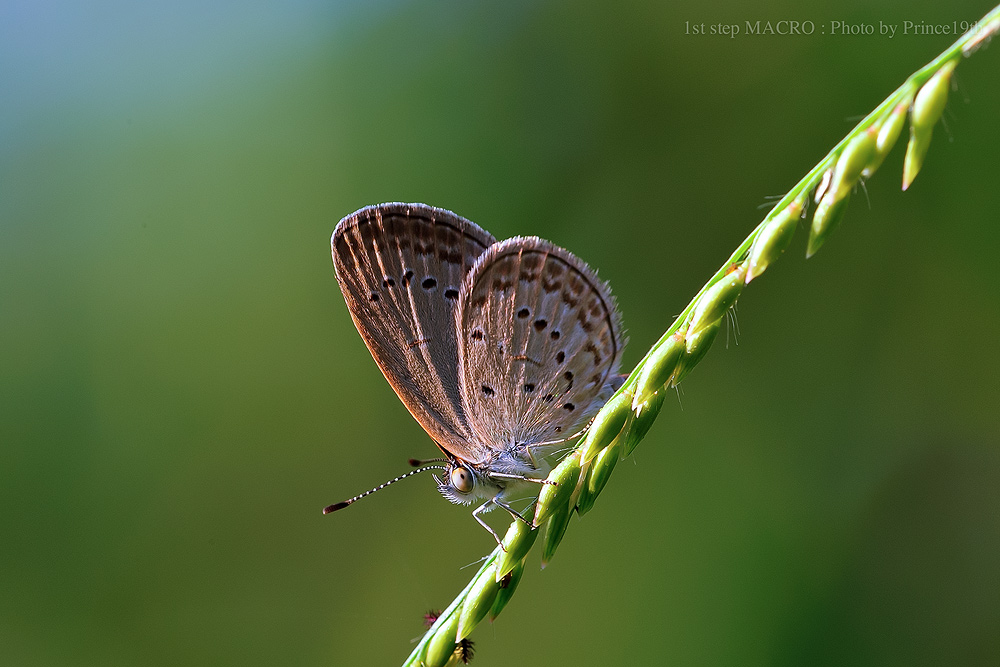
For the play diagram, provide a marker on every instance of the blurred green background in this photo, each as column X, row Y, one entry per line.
column 182, row 389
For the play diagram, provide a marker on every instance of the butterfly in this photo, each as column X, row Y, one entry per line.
column 500, row 350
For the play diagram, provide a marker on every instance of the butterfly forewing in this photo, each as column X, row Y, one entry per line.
column 401, row 267
column 539, row 339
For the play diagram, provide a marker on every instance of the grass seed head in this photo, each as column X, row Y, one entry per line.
column 828, row 215
column 658, row 368
column 607, row 425
column 603, row 466
column 889, row 131
column 716, row 300
column 773, row 239
column 478, row 602
column 517, row 543
column 695, row 347
column 554, row 532
column 442, row 645
column 928, row 106
column 508, row 584
column 642, row 422
column 554, row 496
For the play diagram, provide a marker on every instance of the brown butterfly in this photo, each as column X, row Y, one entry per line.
column 501, row 350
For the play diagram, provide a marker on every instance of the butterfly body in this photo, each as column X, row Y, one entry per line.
column 500, row 350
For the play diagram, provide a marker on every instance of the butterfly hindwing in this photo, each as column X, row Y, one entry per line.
column 539, row 341
column 401, row 267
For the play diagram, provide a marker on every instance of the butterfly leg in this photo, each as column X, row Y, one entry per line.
column 531, row 457
column 513, row 512
column 523, row 478
column 486, row 507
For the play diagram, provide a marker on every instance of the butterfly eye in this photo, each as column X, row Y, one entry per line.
column 462, row 480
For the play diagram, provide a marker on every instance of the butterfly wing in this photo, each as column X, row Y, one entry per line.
column 539, row 340
column 400, row 267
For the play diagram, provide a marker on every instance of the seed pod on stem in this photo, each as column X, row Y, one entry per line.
column 928, row 106
column 442, row 645
column 716, row 300
column 658, row 368
column 553, row 497
column 642, row 422
column 773, row 239
column 828, row 215
column 554, row 532
column 478, row 602
column 508, row 584
column 607, row 425
column 598, row 475
column 888, row 133
column 696, row 346
column 852, row 161
column 517, row 542
column 857, row 154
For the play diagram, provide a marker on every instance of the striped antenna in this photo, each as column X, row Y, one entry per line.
column 416, row 463
column 342, row 505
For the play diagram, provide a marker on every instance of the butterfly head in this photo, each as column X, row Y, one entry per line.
column 462, row 484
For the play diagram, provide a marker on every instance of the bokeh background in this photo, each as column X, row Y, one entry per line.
column 182, row 389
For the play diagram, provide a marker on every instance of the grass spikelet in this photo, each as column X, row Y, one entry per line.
column 516, row 543
column 607, row 425
column 552, row 497
column 478, row 602
column 928, row 106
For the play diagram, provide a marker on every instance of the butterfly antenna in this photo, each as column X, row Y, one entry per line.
column 416, row 463
column 342, row 505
